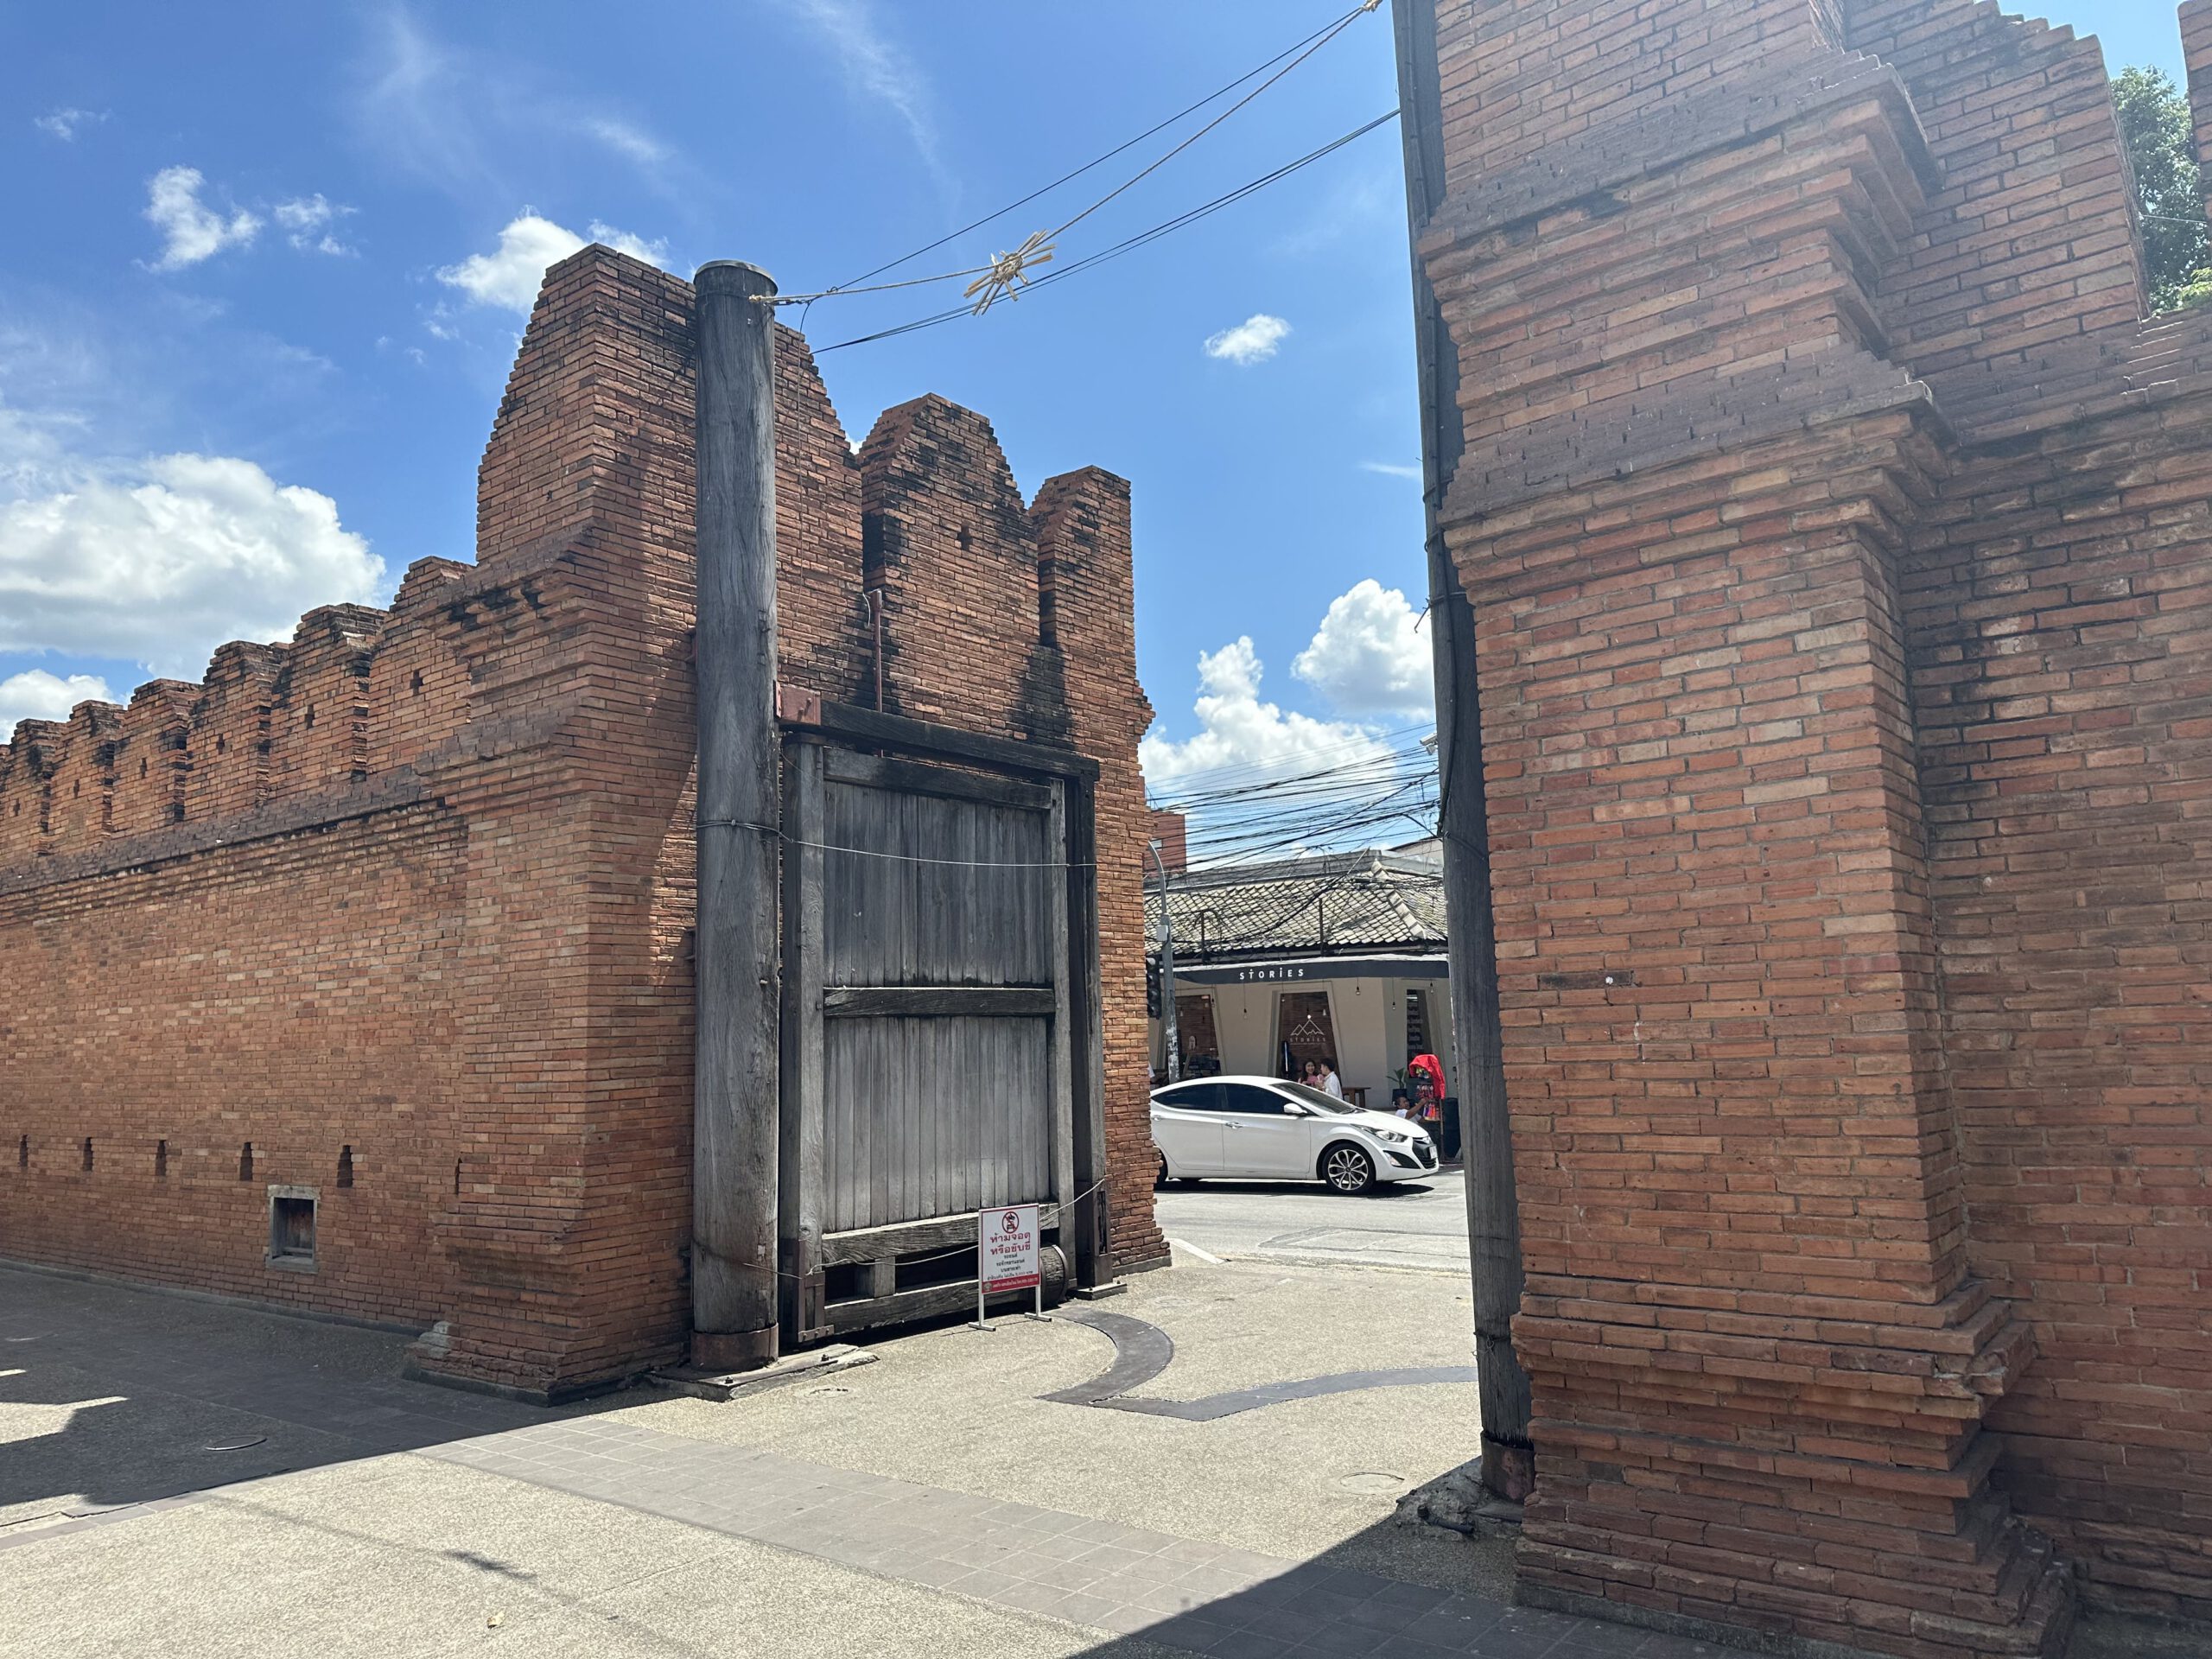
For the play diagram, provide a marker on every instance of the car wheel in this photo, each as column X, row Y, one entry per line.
column 1347, row 1169
column 1161, row 1179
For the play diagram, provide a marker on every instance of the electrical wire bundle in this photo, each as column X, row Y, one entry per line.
column 1251, row 813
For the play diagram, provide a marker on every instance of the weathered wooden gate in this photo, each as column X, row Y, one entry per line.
column 938, row 1022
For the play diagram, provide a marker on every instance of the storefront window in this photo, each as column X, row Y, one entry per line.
column 1304, row 1030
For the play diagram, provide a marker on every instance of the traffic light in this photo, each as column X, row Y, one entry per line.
column 1151, row 988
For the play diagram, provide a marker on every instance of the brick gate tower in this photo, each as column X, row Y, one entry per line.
column 1839, row 539
column 358, row 977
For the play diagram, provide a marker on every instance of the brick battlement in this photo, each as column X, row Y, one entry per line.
column 400, row 908
column 927, row 512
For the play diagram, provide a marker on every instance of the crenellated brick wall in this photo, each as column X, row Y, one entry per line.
column 413, row 892
column 1839, row 540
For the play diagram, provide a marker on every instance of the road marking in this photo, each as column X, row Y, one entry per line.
column 1203, row 1255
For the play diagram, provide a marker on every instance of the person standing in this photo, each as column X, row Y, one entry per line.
column 1328, row 1082
column 1432, row 1068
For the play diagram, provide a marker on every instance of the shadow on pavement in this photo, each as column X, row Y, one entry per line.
column 111, row 1397
column 1391, row 1595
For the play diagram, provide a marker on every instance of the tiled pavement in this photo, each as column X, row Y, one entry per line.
column 1126, row 1580
column 181, row 1397
column 153, row 1394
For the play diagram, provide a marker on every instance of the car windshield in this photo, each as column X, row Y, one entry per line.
column 1316, row 1098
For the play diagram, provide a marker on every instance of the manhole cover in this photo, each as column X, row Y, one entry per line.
column 1373, row 1482
column 234, row 1446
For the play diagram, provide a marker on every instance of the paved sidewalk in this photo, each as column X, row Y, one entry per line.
column 111, row 1398
column 181, row 1478
column 1177, row 1593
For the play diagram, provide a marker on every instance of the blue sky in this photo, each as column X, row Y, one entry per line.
column 267, row 263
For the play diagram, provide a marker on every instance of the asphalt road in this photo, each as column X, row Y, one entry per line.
column 1420, row 1225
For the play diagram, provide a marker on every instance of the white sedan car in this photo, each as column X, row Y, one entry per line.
column 1258, row 1128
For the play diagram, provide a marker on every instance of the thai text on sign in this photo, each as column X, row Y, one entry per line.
column 1008, row 1240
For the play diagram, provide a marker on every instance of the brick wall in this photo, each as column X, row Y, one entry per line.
column 1836, row 533
column 415, row 890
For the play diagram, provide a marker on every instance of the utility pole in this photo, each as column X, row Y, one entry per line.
column 1508, row 1469
column 1171, row 1038
column 735, row 1107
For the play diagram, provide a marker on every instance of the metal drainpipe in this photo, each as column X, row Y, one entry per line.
column 875, row 622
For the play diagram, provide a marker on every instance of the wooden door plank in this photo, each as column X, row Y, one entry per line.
column 910, row 1237
column 919, row 777
column 937, row 1002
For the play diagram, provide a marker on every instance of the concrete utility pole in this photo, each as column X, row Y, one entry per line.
column 735, row 1130
column 1171, row 1037
column 1493, row 1208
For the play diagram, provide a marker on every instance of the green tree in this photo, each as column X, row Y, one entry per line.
column 2154, row 129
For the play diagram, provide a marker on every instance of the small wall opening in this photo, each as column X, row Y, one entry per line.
column 245, row 1161
column 24, row 1152
column 161, row 1160
column 88, row 1154
column 291, row 1226
column 345, row 1166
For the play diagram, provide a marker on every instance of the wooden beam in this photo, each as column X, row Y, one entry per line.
column 866, row 728
column 917, row 777
column 927, row 1002
column 914, row 1238
column 735, row 1128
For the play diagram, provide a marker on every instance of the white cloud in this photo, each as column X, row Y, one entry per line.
column 161, row 562
column 627, row 140
column 1237, row 729
column 459, row 117
column 878, row 73
column 191, row 231
column 1253, row 341
column 1370, row 655
column 36, row 695
column 308, row 221
column 63, row 123
column 509, row 275
column 1392, row 469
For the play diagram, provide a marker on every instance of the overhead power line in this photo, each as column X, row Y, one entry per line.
column 1201, row 780
column 1006, row 271
column 1132, row 244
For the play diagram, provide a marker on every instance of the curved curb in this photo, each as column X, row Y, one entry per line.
column 1142, row 1352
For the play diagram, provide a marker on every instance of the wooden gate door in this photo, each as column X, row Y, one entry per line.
column 926, row 1028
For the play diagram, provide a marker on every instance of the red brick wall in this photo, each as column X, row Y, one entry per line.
column 2060, row 599
column 421, row 883
column 1836, row 535
column 1081, row 521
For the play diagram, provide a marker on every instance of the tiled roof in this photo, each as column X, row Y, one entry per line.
column 1330, row 903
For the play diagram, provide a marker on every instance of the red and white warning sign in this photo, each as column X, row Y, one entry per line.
column 1008, row 1240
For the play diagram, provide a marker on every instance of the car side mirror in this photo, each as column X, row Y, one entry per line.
column 1296, row 1109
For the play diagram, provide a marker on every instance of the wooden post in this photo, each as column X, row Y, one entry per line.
column 1486, row 1141
column 1084, row 1225
column 1171, row 1034
column 736, row 1132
